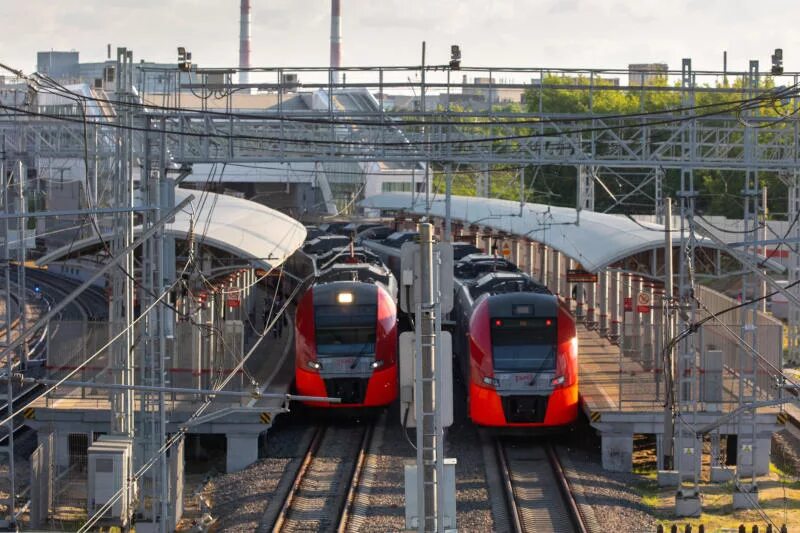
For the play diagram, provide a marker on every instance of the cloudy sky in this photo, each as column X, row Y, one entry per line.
column 534, row 33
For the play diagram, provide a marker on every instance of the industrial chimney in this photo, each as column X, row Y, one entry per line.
column 336, row 38
column 244, row 42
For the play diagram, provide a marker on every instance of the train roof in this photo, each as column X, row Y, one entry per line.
column 503, row 282
column 475, row 265
column 325, row 243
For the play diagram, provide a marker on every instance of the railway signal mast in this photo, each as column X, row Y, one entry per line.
column 426, row 287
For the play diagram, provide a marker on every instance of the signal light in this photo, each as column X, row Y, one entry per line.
column 455, row 57
column 498, row 322
column 184, row 59
column 548, row 322
column 777, row 61
column 344, row 297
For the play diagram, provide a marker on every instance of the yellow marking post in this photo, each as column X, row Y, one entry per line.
column 266, row 418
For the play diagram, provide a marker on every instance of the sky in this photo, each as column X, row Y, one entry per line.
column 518, row 33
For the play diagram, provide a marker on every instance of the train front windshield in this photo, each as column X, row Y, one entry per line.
column 345, row 330
column 524, row 345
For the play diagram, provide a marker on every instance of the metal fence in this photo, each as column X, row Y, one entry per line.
column 722, row 356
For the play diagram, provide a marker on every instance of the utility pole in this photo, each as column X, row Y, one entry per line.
column 426, row 427
column 121, row 312
column 669, row 361
column 8, row 450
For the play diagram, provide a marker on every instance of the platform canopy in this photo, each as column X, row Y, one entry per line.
column 595, row 240
column 244, row 229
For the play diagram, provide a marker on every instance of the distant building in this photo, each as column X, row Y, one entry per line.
column 640, row 74
column 489, row 90
column 65, row 67
column 59, row 65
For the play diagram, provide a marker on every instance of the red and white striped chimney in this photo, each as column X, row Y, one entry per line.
column 336, row 38
column 244, row 42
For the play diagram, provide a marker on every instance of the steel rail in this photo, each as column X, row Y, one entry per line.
column 566, row 490
column 508, row 488
column 313, row 447
column 358, row 471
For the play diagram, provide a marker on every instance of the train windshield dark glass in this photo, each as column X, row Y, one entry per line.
column 524, row 345
column 345, row 330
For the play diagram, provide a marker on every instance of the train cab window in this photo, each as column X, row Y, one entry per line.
column 345, row 330
column 524, row 344
column 333, row 342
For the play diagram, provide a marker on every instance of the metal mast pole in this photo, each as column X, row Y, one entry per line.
column 121, row 304
column 22, row 224
column 9, row 427
column 669, row 331
column 428, row 437
column 688, row 447
column 747, row 430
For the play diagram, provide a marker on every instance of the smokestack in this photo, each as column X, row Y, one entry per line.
column 244, row 42
column 336, row 38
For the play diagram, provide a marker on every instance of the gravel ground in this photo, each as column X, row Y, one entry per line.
column 238, row 499
column 786, row 452
column 610, row 501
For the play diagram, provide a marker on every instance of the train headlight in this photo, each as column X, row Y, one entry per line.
column 377, row 364
column 344, row 297
column 316, row 365
column 492, row 382
column 558, row 380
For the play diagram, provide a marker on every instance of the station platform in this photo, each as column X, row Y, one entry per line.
column 241, row 419
column 622, row 398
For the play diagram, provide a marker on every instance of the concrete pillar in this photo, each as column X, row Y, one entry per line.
column 602, row 307
column 617, row 452
column 633, row 329
column 627, row 316
column 531, row 252
column 615, row 306
column 543, row 264
column 763, row 446
column 242, row 451
column 61, row 443
column 516, row 258
column 555, row 272
column 647, row 334
column 591, row 303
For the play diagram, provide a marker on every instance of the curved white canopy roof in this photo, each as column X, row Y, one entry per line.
column 240, row 227
column 595, row 240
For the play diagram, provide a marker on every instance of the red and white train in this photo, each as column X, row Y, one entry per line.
column 516, row 346
column 346, row 328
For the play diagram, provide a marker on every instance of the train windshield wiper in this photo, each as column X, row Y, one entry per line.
column 540, row 368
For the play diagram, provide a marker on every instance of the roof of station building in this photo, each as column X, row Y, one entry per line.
column 595, row 240
column 246, row 229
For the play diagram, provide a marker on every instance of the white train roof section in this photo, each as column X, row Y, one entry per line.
column 595, row 240
column 240, row 227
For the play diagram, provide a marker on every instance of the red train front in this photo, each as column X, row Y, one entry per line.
column 346, row 344
column 522, row 362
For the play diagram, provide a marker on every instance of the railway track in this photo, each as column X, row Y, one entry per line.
column 323, row 492
column 537, row 493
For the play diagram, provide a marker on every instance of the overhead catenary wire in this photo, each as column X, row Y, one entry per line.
column 770, row 95
column 746, row 104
